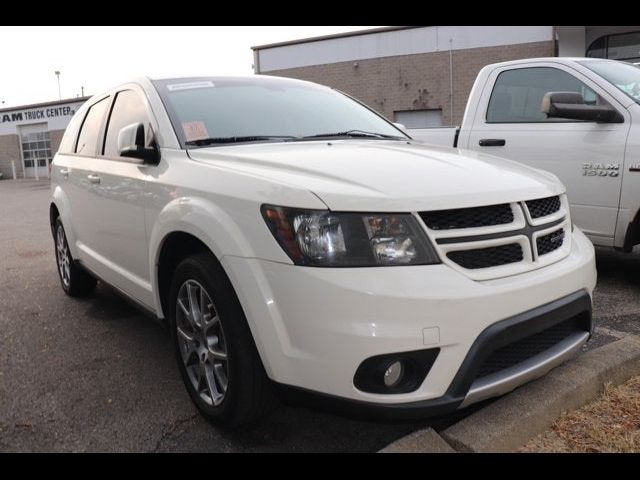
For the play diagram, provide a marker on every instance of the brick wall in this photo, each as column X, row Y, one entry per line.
column 415, row 82
column 10, row 150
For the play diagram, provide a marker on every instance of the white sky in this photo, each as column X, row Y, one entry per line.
column 101, row 57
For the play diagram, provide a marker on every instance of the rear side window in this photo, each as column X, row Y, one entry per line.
column 128, row 108
column 70, row 134
column 90, row 130
column 517, row 94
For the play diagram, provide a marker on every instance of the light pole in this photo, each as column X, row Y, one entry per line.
column 57, row 72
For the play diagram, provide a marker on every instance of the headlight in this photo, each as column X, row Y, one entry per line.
column 328, row 239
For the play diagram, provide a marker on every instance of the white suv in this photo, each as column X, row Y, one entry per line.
column 299, row 244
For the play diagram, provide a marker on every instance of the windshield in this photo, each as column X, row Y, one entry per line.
column 227, row 110
column 624, row 76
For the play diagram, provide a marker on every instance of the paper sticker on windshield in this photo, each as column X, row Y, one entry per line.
column 195, row 130
column 186, row 86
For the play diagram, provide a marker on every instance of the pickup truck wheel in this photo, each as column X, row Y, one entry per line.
column 75, row 281
column 217, row 357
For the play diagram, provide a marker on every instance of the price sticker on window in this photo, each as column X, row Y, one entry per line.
column 196, row 130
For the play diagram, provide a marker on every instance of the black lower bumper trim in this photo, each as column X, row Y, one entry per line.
column 497, row 335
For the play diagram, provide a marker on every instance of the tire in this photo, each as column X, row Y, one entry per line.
column 75, row 281
column 216, row 354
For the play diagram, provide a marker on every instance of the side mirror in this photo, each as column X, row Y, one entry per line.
column 132, row 143
column 400, row 126
column 571, row 105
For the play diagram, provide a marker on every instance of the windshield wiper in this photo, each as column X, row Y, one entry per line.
column 248, row 138
column 351, row 134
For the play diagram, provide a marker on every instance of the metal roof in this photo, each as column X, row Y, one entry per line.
column 336, row 35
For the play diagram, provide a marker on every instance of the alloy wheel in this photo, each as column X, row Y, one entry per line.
column 64, row 261
column 202, row 343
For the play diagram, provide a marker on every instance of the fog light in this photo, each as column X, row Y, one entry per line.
column 393, row 374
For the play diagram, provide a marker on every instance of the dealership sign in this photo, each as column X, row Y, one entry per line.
column 56, row 116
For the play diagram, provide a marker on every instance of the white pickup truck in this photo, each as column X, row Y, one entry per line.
column 578, row 118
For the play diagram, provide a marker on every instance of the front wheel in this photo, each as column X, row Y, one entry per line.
column 75, row 281
column 217, row 357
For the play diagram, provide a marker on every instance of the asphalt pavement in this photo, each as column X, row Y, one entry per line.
column 97, row 375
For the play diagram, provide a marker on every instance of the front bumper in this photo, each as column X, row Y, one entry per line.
column 313, row 327
column 465, row 389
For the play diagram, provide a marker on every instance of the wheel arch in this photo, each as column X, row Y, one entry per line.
column 54, row 213
column 198, row 222
column 59, row 206
column 632, row 235
column 175, row 247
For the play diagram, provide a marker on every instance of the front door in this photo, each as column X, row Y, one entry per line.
column 117, row 198
column 587, row 156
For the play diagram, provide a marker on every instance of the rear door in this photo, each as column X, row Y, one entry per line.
column 587, row 156
column 74, row 171
column 117, row 199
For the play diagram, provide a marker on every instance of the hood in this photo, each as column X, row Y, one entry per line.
column 368, row 175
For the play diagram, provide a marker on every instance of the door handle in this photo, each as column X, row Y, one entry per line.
column 95, row 179
column 64, row 172
column 492, row 142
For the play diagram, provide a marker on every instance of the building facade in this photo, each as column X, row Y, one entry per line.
column 422, row 76
column 30, row 135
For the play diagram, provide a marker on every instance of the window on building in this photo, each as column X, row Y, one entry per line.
column 419, row 118
column 620, row 46
column 128, row 108
column 90, row 130
column 36, row 149
column 517, row 94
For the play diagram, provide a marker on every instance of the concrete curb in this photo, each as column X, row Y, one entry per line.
column 508, row 423
column 421, row 441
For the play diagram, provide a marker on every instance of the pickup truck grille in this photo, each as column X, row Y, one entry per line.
column 500, row 240
column 543, row 206
column 468, row 217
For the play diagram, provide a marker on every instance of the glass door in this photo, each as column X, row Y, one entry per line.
column 36, row 150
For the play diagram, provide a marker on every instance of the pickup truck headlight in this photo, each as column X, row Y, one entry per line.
column 323, row 238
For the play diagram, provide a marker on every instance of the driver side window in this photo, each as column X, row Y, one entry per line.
column 128, row 108
column 517, row 94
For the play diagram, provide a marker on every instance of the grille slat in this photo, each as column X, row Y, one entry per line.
column 487, row 257
column 468, row 217
column 550, row 242
column 520, row 351
column 543, row 206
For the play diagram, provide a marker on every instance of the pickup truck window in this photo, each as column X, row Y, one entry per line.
column 517, row 94
column 225, row 110
column 90, row 130
column 623, row 76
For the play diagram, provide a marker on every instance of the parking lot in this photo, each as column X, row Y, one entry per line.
column 96, row 375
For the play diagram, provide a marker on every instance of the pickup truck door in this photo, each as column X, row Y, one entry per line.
column 588, row 157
